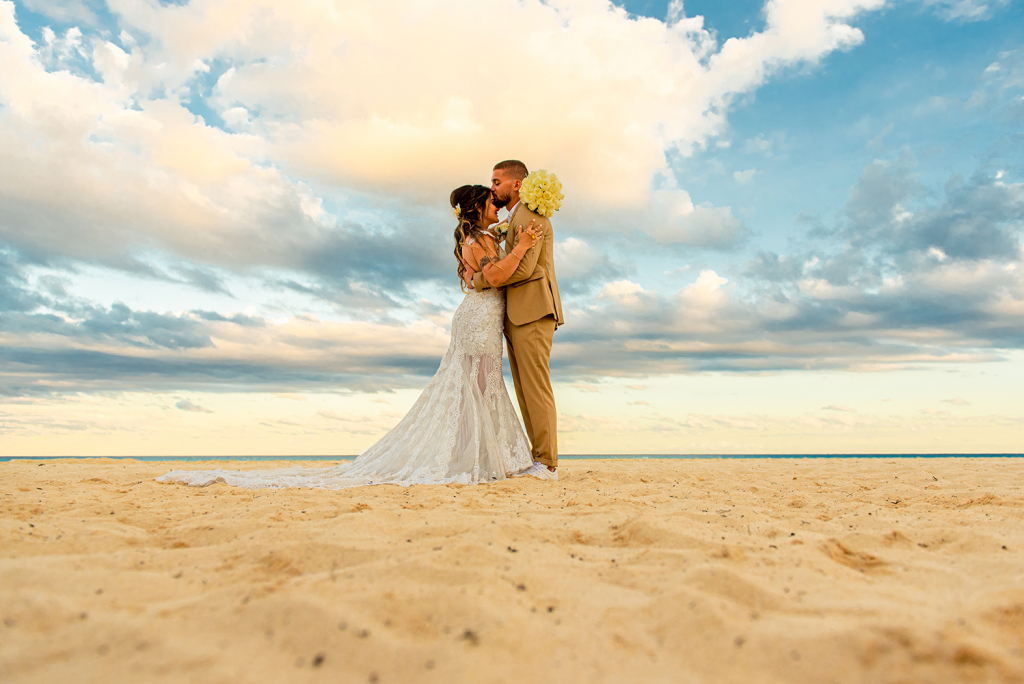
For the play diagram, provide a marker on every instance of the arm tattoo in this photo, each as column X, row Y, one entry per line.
column 483, row 262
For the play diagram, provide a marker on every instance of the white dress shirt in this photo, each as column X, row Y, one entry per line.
column 510, row 210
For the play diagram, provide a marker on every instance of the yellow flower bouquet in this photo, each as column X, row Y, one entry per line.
column 542, row 193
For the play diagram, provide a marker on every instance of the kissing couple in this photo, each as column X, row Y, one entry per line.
column 463, row 428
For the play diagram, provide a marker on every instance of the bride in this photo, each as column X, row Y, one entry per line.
column 462, row 428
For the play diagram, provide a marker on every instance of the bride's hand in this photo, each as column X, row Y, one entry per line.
column 530, row 235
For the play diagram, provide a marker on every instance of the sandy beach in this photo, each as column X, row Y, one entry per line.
column 828, row 570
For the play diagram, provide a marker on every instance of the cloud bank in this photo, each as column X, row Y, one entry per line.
column 305, row 148
column 107, row 124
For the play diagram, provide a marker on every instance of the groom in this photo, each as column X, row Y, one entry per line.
column 533, row 309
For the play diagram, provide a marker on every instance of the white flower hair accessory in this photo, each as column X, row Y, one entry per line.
column 457, row 212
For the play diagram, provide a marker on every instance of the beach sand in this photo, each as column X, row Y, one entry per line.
column 781, row 570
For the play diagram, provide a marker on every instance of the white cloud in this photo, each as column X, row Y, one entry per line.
column 131, row 173
column 236, row 117
column 64, row 11
column 744, row 177
column 673, row 218
column 758, row 144
column 127, row 178
column 186, row 405
column 1008, row 71
column 772, row 145
column 965, row 10
column 878, row 142
column 839, row 407
column 409, row 112
column 111, row 62
column 624, row 293
column 579, row 263
column 705, row 294
column 56, row 49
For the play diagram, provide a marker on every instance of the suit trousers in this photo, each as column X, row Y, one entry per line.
column 529, row 351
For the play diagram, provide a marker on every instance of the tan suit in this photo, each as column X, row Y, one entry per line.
column 533, row 309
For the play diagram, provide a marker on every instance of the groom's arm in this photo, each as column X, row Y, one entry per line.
column 529, row 263
column 479, row 282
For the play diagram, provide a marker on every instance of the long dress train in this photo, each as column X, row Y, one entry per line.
column 462, row 428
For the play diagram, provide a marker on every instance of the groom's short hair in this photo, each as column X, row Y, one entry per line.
column 514, row 168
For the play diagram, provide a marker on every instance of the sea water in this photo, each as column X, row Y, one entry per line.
column 561, row 457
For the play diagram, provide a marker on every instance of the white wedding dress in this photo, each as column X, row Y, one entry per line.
column 462, row 428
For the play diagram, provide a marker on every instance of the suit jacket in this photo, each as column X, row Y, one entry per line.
column 531, row 292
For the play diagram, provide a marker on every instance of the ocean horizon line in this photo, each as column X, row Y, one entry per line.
column 570, row 457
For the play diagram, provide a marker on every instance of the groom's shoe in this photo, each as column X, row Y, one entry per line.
column 540, row 471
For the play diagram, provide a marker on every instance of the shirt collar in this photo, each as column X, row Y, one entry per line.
column 511, row 210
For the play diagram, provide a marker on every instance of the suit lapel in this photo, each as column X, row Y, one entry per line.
column 510, row 239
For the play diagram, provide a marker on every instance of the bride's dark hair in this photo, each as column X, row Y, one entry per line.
column 469, row 201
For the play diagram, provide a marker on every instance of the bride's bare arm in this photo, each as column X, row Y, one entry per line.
column 525, row 268
column 468, row 259
column 496, row 271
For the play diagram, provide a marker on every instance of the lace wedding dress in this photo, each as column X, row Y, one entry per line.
column 462, row 429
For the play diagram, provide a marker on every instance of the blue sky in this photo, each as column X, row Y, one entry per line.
column 211, row 205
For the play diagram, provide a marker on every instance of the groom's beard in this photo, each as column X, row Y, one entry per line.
column 500, row 202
